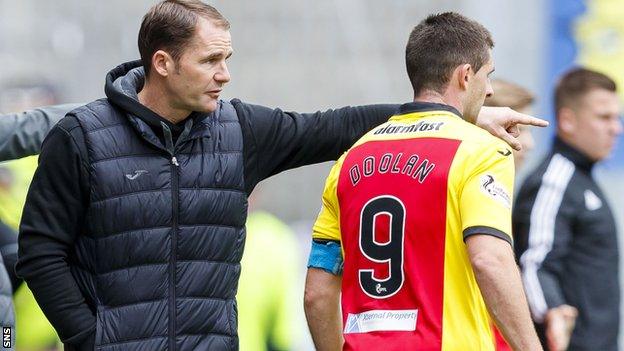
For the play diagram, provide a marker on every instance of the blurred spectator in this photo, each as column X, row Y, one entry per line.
column 565, row 231
column 268, row 286
column 33, row 331
column 21, row 135
column 507, row 94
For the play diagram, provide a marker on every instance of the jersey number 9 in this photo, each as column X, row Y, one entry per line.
column 390, row 252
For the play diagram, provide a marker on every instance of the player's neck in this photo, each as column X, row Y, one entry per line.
column 154, row 96
column 437, row 98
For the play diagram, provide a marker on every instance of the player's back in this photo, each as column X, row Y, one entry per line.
column 405, row 197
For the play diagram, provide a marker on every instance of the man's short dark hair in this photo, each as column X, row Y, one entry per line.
column 439, row 44
column 577, row 82
column 170, row 26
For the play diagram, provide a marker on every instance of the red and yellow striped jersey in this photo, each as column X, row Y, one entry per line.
column 401, row 201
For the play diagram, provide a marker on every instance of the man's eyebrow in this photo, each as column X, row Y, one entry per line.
column 215, row 55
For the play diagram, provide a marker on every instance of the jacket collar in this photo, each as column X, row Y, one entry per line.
column 579, row 159
column 122, row 86
column 421, row 106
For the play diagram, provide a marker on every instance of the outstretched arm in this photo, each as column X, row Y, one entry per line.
column 21, row 134
column 276, row 140
column 279, row 140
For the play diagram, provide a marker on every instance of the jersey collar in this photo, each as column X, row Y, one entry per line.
column 578, row 158
column 421, row 106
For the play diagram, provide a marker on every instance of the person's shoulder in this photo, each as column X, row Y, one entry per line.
column 254, row 114
column 99, row 114
column 550, row 167
column 534, row 175
column 92, row 107
column 477, row 136
column 100, row 107
column 68, row 123
column 477, row 142
column 553, row 174
column 246, row 107
column 71, row 125
column 235, row 102
column 66, row 130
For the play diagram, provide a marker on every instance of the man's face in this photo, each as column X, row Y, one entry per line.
column 595, row 123
column 201, row 71
column 479, row 88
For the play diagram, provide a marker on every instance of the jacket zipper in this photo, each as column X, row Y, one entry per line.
column 174, row 250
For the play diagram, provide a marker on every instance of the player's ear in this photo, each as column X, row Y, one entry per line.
column 566, row 120
column 463, row 74
column 163, row 63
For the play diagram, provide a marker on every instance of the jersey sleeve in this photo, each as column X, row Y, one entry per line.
column 327, row 225
column 486, row 196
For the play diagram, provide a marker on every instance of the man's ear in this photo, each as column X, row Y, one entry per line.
column 163, row 63
column 566, row 120
column 464, row 73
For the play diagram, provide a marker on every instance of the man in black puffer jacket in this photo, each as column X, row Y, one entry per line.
column 133, row 228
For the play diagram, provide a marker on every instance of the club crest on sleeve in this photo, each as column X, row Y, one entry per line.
column 495, row 190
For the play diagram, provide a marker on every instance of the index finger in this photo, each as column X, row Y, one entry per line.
column 521, row 118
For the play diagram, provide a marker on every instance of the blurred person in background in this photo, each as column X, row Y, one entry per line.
column 418, row 212
column 21, row 135
column 520, row 99
column 133, row 228
column 566, row 238
column 269, row 283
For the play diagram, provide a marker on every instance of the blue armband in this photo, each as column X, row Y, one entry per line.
column 326, row 255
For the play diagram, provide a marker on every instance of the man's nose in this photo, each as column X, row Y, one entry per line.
column 488, row 89
column 223, row 74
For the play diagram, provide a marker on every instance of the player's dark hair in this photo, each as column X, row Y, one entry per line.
column 577, row 82
column 439, row 44
column 170, row 26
